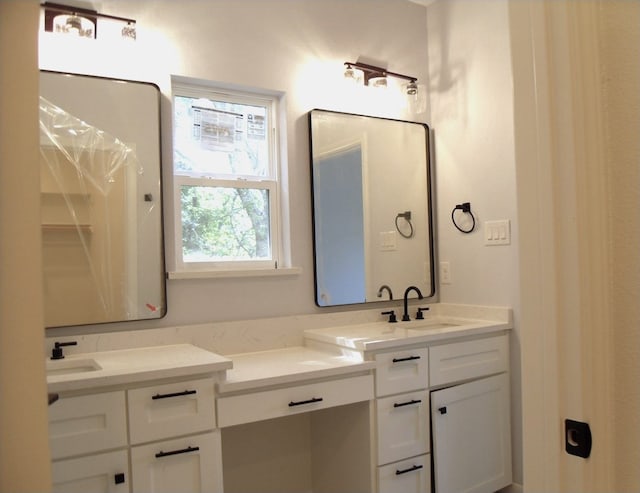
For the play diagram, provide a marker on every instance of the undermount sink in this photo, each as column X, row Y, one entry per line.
column 434, row 326
column 71, row 366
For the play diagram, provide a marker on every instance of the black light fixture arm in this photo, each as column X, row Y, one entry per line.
column 371, row 71
column 68, row 9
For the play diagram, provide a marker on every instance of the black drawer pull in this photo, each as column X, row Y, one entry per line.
column 408, row 358
column 405, row 471
column 175, row 394
column 119, row 478
column 442, row 410
column 309, row 401
column 177, row 452
column 408, row 403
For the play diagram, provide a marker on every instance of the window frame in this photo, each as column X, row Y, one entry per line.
column 269, row 183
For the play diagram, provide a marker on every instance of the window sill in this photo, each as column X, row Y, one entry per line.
column 220, row 274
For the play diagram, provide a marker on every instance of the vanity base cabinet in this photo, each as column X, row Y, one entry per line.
column 407, row 476
column 104, row 473
column 471, row 436
column 165, row 431
column 185, row 464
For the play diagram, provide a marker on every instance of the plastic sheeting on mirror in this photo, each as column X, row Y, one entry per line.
column 89, row 217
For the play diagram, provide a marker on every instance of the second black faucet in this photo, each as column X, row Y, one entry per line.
column 405, row 315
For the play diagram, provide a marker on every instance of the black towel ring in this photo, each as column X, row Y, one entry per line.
column 407, row 217
column 466, row 208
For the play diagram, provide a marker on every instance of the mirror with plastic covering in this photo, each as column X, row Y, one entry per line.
column 101, row 201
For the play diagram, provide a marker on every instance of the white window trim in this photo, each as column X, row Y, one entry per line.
column 257, row 268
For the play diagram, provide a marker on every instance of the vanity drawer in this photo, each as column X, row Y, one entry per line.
column 87, row 423
column 402, row 371
column 257, row 406
column 403, row 426
column 185, row 464
column 469, row 359
column 407, row 476
column 168, row 410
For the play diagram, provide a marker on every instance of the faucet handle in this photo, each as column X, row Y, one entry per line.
column 392, row 316
column 56, row 352
column 419, row 315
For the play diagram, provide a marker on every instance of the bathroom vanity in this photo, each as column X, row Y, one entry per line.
column 136, row 420
column 375, row 407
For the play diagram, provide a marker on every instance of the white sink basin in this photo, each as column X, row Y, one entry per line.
column 434, row 326
column 71, row 366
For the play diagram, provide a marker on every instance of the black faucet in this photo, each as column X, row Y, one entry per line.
column 405, row 316
column 56, row 352
column 387, row 288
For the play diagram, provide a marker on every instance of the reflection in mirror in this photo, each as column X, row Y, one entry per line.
column 101, row 201
column 371, row 208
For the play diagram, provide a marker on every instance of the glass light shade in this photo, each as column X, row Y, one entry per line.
column 74, row 25
column 378, row 82
column 412, row 88
column 129, row 31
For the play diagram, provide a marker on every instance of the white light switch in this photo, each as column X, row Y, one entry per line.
column 388, row 241
column 497, row 232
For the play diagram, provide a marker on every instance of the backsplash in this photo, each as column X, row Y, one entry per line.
column 256, row 335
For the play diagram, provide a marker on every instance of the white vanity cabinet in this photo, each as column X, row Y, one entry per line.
column 190, row 463
column 88, row 440
column 442, row 403
column 470, row 416
column 295, row 419
column 402, row 420
column 166, row 431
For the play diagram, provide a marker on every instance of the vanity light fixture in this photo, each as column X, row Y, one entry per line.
column 377, row 76
column 81, row 22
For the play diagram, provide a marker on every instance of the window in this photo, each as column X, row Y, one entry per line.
column 225, row 179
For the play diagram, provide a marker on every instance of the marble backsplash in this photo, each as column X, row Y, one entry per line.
column 255, row 335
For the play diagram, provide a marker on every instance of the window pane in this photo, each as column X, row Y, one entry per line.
column 222, row 224
column 220, row 138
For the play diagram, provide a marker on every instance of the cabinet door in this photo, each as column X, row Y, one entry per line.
column 188, row 465
column 471, row 436
column 100, row 473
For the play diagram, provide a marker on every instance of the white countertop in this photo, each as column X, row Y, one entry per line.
column 285, row 366
column 128, row 366
column 383, row 335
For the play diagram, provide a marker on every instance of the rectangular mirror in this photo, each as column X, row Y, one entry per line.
column 101, row 200
column 371, row 186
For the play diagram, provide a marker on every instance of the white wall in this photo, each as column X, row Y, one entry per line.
column 471, row 104
column 297, row 50
column 460, row 47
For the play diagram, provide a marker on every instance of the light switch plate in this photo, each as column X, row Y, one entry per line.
column 497, row 232
column 388, row 241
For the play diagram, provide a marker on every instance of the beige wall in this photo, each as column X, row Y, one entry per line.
column 620, row 39
column 24, row 449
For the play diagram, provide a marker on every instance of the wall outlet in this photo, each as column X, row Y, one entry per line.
column 445, row 272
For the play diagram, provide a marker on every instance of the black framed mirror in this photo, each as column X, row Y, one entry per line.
column 101, row 200
column 372, row 210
